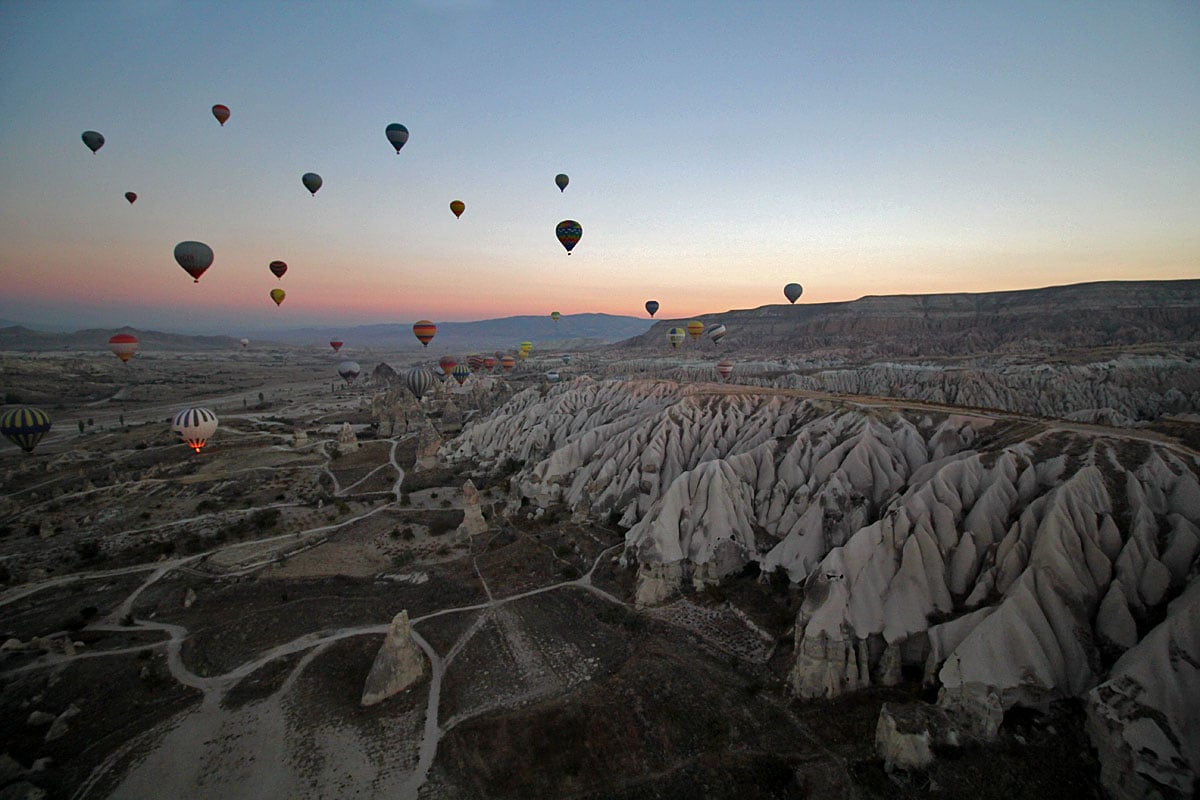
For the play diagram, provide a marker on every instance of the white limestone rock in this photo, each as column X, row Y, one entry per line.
column 398, row 665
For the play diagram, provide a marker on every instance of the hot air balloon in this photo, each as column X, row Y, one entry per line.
column 716, row 333
column 131, row 197
column 194, row 426
column 424, row 330
column 336, row 345
column 507, row 363
column 348, row 370
column 221, row 113
column 245, row 343
column 651, row 307
column 694, row 329
column 419, row 380
column 458, row 206
column 124, row 345
column 277, row 295
column 675, row 336
column 561, row 181
column 554, row 315
column 24, row 426
column 566, row 358
column 525, row 349
column 725, row 369
column 460, row 373
column 793, row 291
column 397, row 134
column 489, row 363
column 312, row 181
column 194, row 257
column 93, row 140
column 568, row 232
column 447, row 363
column 475, row 362
column 552, row 376
column 277, row 268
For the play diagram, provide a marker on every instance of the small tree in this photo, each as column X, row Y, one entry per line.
column 81, row 426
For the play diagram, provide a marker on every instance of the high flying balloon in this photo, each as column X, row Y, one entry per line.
column 569, row 232
column 194, row 257
column 195, row 426
column 312, row 181
column 221, row 113
column 651, row 307
column 424, row 330
column 554, row 315
column 94, row 140
column 561, row 181
column 277, row 268
column 277, row 295
column 397, row 134
column 124, row 345
column 792, row 292
column 458, row 207
column 24, row 426
column 131, row 197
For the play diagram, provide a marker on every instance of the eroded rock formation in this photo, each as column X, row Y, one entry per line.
column 398, row 665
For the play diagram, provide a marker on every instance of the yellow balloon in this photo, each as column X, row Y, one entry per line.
column 277, row 295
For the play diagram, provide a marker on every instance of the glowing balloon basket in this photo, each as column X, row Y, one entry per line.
column 195, row 426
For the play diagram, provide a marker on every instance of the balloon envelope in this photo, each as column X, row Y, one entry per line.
column 424, row 330
column 348, row 370
column 221, row 113
column 194, row 257
column 526, row 347
column 793, row 291
column 277, row 295
column 124, row 345
column 312, row 181
column 552, row 376
column 277, row 268
column 447, row 363
column 93, row 139
column 460, row 373
column 507, row 363
column 695, row 328
column 458, row 206
column 336, row 345
column 651, row 307
column 475, row 362
column 554, row 315
column 24, row 426
column 561, row 181
column 245, row 342
column 131, row 197
column 675, row 336
column 195, row 426
column 717, row 333
column 725, row 369
column 489, row 362
column 419, row 380
column 569, row 233
column 397, row 134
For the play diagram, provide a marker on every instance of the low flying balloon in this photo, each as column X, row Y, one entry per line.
column 717, row 333
column 348, row 370
column 397, row 134
column 93, row 140
column 507, row 363
column 419, row 380
column 277, row 268
column 566, row 358
column 447, row 363
column 554, row 315
column 221, row 113
column 424, row 330
column 458, row 206
column 131, row 197
column 475, row 362
column 124, row 345
column 277, row 295
column 675, row 336
column 695, row 328
column 569, row 233
column 561, row 181
column 725, row 369
column 552, row 376
column 336, row 345
column 312, row 181
column 461, row 373
column 194, row 257
column 651, row 307
column 245, row 343
column 489, row 363
column 24, row 426
column 526, row 347
column 793, row 291
column 195, row 426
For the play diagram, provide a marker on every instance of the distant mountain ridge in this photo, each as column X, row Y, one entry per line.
column 1085, row 315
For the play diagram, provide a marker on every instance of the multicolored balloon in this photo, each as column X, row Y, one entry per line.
column 460, row 373
column 131, row 197
column 554, row 315
column 507, row 363
column 424, row 330
column 335, row 344
column 552, row 376
column 94, row 140
column 397, row 134
column 312, row 181
column 569, row 232
column 221, row 113
column 448, row 363
column 24, row 426
column 676, row 336
column 278, row 268
column 277, row 295
column 475, row 362
column 195, row 426
column 651, row 307
column 194, row 257
column 694, row 329
column 792, row 292
column 419, row 380
column 725, row 369
column 348, row 370
column 561, row 181
column 458, row 207
column 124, row 345
column 489, row 363
column 717, row 333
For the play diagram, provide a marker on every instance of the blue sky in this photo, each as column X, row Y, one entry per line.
column 716, row 151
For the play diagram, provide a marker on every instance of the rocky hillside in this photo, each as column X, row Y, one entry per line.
column 1011, row 562
column 1058, row 318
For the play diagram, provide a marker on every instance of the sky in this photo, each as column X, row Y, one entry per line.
column 716, row 151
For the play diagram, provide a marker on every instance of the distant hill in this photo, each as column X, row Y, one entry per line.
column 18, row 337
column 1085, row 315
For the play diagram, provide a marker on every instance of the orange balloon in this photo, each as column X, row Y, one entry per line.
column 221, row 113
